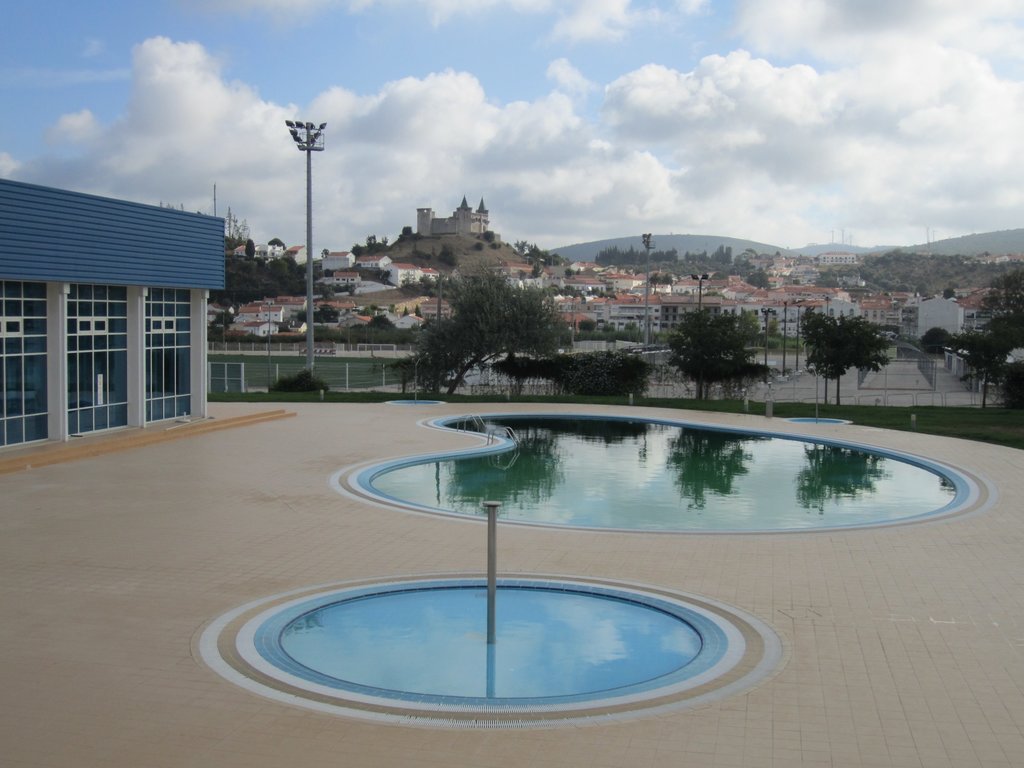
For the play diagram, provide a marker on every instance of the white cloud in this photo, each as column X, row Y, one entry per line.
column 846, row 29
column 885, row 145
column 74, row 128
column 8, row 165
column 738, row 145
column 589, row 20
column 568, row 78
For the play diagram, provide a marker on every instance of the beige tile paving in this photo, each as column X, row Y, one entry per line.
column 904, row 645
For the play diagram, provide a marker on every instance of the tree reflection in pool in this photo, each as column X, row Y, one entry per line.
column 643, row 475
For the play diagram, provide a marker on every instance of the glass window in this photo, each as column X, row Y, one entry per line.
column 22, row 362
column 168, row 353
column 97, row 358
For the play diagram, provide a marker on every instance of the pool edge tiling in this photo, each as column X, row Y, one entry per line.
column 743, row 651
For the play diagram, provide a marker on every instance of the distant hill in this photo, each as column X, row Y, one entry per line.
column 682, row 244
column 1007, row 241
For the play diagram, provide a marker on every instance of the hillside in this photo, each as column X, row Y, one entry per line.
column 444, row 252
column 682, row 244
column 926, row 274
column 1009, row 241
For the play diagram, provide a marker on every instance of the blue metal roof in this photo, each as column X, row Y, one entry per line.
column 60, row 236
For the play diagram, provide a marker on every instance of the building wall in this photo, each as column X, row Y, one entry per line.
column 52, row 234
column 103, row 314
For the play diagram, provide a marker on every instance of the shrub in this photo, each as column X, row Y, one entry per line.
column 602, row 373
column 303, row 381
column 1013, row 386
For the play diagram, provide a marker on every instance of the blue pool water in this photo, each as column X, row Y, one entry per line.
column 619, row 473
column 428, row 642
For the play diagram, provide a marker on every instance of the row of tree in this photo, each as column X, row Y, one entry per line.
column 987, row 351
column 518, row 330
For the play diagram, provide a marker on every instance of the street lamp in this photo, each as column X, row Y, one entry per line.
column 785, row 333
column 647, row 291
column 700, row 288
column 796, row 366
column 767, row 312
column 309, row 138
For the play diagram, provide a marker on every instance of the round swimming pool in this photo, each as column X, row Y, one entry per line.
column 658, row 475
column 563, row 650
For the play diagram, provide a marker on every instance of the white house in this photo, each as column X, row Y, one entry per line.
column 255, row 313
column 400, row 274
column 336, row 260
column 937, row 312
column 256, row 328
column 297, row 253
column 341, row 279
column 373, row 261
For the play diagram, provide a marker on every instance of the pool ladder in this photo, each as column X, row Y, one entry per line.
column 503, row 460
column 492, row 431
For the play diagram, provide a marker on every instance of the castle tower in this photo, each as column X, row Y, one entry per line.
column 424, row 218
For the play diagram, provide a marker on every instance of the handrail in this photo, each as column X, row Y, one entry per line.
column 490, row 431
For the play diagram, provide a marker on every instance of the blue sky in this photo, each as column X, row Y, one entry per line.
column 788, row 122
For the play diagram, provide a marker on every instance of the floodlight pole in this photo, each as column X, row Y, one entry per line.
column 308, row 138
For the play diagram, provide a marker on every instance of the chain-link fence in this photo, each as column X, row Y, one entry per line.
column 340, row 374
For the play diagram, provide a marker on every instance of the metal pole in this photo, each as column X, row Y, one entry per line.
column 492, row 565
column 785, row 333
column 796, row 366
column 309, row 256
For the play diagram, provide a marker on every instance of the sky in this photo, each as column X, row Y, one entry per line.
column 789, row 122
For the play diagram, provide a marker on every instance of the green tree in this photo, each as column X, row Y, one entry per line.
column 935, row 339
column 714, row 349
column 985, row 353
column 836, row 344
column 381, row 321
column 758, row 279
column 1006, row 302
column 1013, row 385
column 489, row 319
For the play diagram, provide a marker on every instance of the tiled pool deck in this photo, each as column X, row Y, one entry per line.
column 904, row 646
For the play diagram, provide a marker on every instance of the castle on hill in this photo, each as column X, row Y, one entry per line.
column 463, row 221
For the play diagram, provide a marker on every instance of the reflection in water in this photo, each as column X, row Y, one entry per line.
column 433, row 641
column 707, row 462
column 649, row 476
column 835, row 472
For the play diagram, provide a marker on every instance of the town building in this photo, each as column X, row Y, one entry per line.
column 104, row 312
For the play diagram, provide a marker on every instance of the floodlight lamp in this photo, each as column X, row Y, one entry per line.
column 322, row 126
column 289, row 123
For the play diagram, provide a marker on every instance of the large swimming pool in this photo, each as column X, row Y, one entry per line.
column 656, row 475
